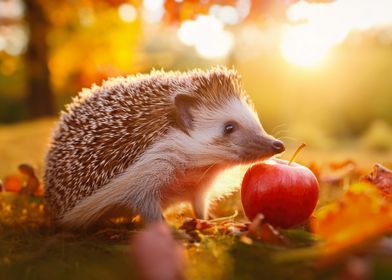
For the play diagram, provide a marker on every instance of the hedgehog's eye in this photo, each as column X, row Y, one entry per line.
column 230, row 127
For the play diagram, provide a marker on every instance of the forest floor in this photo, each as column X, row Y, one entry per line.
column 31, row 249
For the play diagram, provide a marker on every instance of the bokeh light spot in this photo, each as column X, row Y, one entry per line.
column 127, row 12
column 207, row 35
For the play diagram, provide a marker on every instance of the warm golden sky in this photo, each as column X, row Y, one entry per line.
column 324, row 25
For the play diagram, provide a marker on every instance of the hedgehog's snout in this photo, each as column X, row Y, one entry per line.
column 262, row 146
column 271, row 146
column 278, row 146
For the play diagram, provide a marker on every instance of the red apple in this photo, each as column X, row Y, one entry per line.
column 285, row 193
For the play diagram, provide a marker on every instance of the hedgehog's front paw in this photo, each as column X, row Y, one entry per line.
column 200, row 207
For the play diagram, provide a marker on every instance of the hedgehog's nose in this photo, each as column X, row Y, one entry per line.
column 278, row 146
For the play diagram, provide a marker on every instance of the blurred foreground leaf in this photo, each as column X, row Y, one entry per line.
column 361, row 216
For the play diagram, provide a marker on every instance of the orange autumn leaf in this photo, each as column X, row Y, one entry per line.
column 342, row 164
column 12, row 183
column 361, row 215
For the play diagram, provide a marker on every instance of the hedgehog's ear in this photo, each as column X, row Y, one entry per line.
column 183, row 104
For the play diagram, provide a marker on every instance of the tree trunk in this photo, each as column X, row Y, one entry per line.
column 39, row 96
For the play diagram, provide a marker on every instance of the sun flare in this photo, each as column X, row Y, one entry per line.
column 317, row 27
column 300, row 47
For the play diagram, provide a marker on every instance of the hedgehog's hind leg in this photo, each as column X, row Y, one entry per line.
column 138, row 188
column 150, row 211
column 144, row 197
column 89, row 213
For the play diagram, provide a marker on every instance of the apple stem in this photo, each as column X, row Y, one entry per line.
column 303, row 145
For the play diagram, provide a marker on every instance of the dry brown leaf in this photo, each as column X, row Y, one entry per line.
column 32, row 185
column 226, row 225
column 265, row 232
column 196, row 224
column 381, row 177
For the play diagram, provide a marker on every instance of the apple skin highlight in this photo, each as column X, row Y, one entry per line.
column 286, row 194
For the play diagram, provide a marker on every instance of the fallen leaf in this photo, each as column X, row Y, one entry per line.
column 223, row 225
column 361, row 215
column 192, row 224
column 265, row 232
column 12, row 183
column 381, row 177
column 342, row 164
column 341, row 173
column 32, row 184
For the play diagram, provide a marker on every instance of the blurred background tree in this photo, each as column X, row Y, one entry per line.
column 317, row 70
column 39, row 93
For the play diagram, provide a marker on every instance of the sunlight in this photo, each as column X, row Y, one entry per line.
column 302, row 46
column 318, row 27
column 227, row 182
column 207, row 35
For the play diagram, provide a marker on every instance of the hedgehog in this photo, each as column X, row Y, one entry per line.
column 138, row 144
